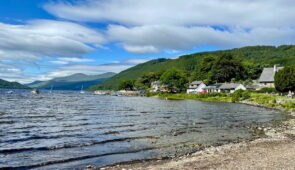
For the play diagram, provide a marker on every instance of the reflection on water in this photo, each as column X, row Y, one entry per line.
column 68, row 129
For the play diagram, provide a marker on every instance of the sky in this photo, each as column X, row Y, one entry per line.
column 44, row 39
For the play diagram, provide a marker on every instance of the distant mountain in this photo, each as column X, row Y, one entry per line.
column 72, row 82
column 11, row 85
column 264, row 55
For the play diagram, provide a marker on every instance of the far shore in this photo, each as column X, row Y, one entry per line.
column 276, row 150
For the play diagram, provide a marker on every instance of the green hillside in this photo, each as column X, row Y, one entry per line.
column 264, row 55
column 72, row 82
column 11, row 85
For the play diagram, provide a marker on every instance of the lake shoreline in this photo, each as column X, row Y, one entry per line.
column 277, row 143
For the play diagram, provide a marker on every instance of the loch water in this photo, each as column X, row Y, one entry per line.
column 67, row 130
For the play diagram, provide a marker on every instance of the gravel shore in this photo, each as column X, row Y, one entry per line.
column 275, row 151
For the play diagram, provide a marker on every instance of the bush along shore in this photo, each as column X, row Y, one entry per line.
column 272, row 101
column 274, row 149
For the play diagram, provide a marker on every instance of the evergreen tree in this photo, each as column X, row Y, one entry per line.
column 285, row 79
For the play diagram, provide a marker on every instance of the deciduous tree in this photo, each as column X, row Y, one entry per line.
column 174, row 80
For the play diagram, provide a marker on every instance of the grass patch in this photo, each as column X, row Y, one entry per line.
column 268, row 100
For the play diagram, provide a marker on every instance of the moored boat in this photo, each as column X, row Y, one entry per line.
column 35, row 91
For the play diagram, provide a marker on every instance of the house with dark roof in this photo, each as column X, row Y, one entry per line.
column 212, row 88
column 266, row 78
column 231, row 88
column 196, row 87
column 225, row 88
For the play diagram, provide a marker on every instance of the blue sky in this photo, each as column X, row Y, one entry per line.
column 43, row 39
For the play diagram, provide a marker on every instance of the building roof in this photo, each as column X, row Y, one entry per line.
column 268, row 74
column 229, row 86
column 196, row 83
column 213, row 86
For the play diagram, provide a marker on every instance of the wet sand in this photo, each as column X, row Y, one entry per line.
column 275, row 151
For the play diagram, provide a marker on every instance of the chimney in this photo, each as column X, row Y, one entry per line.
column 275, row 68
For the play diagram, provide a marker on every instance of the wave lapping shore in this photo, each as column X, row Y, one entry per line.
column 276, row 150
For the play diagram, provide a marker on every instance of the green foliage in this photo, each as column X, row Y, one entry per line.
column 203, row 69
column 254, row 59
column 11, row 85
column 285, row 79
column 219, row 97
column 126, row 85
column 240, row 95
column 288, row 105
column 145, row 80
column 267, row 90
column 252, row 70
column 247, row 82
column 226, row 67
column 174, row 80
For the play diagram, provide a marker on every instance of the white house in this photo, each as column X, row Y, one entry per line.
column 196, row 87
column 231, row 88
column 266, row 78
column 157, row 87
column 214, row 88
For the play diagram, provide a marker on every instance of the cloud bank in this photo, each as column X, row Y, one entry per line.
column 139, row 27
column 46, row 38
column 152, row 26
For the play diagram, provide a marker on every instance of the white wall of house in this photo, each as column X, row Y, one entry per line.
column 196, row 90
column 241, row 87
column 270, row 85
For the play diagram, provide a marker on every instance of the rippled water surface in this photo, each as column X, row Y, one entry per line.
column 71, row 130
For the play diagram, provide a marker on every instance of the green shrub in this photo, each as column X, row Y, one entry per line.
column 240, row 95
column 267, row 90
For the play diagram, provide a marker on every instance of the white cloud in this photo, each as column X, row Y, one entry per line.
column 140, row 49
column 152, row 26
column 244, row 13
column 45, row 38
column 63, row 60
column 10, row 72
column 66, row 70
column 15, row 73
column 59, row 62
column 135, row 61
column 144, row 39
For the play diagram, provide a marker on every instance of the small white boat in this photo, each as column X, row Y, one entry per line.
column 10, row 92
column 82, row 92
column 35, row 91
column 51, row 89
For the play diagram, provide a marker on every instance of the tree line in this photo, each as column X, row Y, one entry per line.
column 223, row 68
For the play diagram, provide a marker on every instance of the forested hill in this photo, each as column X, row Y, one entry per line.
column 264, row 55
column 11, row 85
column 72, row 82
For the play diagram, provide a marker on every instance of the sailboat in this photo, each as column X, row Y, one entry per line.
column 51, row 89
column 81, row 91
